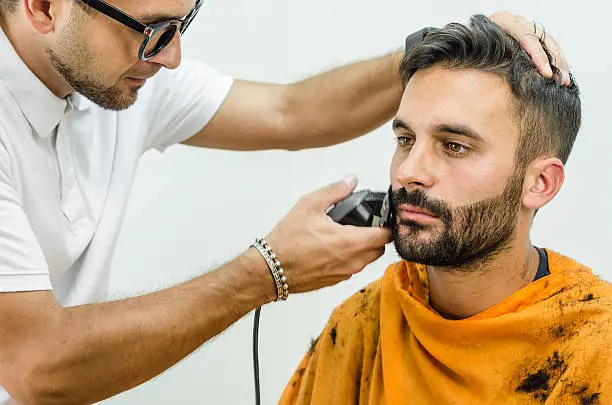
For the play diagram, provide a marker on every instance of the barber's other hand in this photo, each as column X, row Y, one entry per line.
column 523, row 31
column 316, row 252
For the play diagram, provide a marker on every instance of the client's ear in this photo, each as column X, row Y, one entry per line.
column 543, row 181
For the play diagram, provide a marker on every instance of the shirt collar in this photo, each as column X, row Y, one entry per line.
column 79, row 102
column 43, row 109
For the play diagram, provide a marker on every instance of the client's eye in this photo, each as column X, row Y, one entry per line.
column 456, row 148
column 404, row 141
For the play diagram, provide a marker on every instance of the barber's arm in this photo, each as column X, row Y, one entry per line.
column 80, row 355
column 338, row 105
column 320, row 111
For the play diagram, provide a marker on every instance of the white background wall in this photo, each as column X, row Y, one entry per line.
column 192, row 210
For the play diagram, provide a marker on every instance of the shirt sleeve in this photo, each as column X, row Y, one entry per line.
column 179, row 103
column 22, row 264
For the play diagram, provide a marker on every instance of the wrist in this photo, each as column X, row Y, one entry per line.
column 260, row 279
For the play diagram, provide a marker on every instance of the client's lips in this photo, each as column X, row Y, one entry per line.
column 412, row 213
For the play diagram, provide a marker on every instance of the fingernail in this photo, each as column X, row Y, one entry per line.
column 350, row 179
column 548, row 71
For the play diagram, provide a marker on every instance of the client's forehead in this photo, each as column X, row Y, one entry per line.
column 479, row 100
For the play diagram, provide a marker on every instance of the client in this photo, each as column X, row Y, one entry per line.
column 474, row 314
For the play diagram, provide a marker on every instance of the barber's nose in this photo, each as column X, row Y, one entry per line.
column 415, row 170
column 170, row 57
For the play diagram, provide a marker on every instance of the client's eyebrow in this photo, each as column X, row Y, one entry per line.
column 459, row 129
column 399, row 124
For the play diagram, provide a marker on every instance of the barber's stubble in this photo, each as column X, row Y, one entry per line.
column 82, row 69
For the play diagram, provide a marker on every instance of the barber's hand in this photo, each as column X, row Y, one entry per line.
column 527, row 35
column 316, row 252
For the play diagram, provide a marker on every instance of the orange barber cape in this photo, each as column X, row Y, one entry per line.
column 548, row 343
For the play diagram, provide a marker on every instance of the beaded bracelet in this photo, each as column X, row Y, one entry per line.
column 282, row 288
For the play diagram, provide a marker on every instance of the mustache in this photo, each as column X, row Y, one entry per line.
column 419, row 199
column 148, row 73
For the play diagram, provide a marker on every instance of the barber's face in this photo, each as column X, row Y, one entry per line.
column 454, row 187
column 98, row 56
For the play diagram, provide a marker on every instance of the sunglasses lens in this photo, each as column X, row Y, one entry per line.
column 160, row 40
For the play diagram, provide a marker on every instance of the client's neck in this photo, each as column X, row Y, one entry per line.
column 462, row 292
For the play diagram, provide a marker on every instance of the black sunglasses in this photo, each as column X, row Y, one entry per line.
column 156, row 36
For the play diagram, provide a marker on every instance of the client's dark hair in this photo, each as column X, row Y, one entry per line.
column 548, row 114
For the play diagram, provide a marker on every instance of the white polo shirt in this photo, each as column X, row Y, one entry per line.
column 67, row 166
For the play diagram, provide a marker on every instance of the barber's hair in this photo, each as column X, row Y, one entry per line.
column 548, row 114
column 8, row 7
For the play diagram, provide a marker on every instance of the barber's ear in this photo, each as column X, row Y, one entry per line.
column 42, row 14
column 543, row 181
